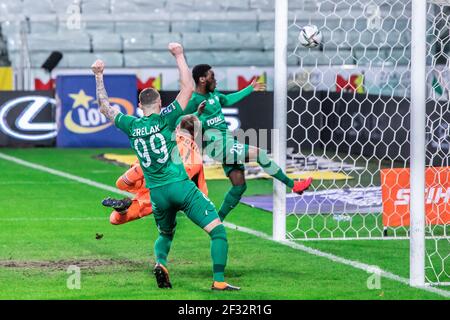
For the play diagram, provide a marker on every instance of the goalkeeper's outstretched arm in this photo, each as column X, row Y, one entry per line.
column 186, row 81
column 232, row 98
column 102, row 96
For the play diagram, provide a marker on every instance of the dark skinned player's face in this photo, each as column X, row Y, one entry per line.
column 210, row 81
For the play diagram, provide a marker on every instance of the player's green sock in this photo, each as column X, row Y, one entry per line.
column 162, row 248
column 271, row 168
column 219, row 252
column 231, row 200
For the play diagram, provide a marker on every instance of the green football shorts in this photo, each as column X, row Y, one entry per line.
column 230, row 152
column 184, row 195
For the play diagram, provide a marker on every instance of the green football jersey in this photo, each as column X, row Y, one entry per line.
column 153, row 140
column 212, row 116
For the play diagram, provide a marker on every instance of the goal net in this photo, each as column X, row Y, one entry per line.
column 348, row 124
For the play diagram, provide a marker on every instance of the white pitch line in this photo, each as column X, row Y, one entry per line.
column 55, row 219
column 262, row 235
column 63, row 174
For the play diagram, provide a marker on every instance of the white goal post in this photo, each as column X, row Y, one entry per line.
column 366, row 113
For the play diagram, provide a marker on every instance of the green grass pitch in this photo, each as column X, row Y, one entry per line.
column 48, row 223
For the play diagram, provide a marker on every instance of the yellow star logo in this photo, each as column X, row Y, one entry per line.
column 81, row 99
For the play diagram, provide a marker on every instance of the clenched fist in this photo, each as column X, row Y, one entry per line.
column 175, row 48
column 98, row 66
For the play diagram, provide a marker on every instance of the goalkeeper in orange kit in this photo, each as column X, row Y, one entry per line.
column 133, row 181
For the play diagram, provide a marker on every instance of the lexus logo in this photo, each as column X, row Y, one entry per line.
column 23, row 112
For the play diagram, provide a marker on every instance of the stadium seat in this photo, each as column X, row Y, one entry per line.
column 266, row 21
column 339, row 57
column 43, row 23
column 267, row 39
column 161, row 40
column 151, row 26
column 366, row 57
column 85, row 59
column 95, row 6
column 206, row 5
column 179, row 5
column 401, row 56
column 99, row 22
column 32, row 7
column 293, row 39
column 12, row 27
column 391, row 38
column 65, row 6
column 253, row 58
column 403, row 25
column 229, row 21
column 36, row 59
column 151, row 23
column 148, row 59
column 196, row 41
column 199, row 57
column 300, row 4
column 263, row 5
column 10, row 7
column 136, row 6
column 338, row 39
column 292, row 60
column 185, row 22
column 224, row 41
column 70, row 41
column 310, row 60
column 13, row 43
column 361, row 24
column 235, row 5
column 225, row 58
column 329, row 23
column 313, row 57
column 250, row 40
column 136, row 41
column 106, row 42
column 366, row 39
column 243, row 58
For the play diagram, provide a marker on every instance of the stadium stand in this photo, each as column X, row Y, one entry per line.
column 232, row 33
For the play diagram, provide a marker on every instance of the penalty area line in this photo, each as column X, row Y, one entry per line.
column 261, row 235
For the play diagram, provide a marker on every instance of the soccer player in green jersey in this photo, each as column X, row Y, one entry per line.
column 153, row 140
column 222, row 146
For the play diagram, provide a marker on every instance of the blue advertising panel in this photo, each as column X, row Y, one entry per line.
column 80, row 123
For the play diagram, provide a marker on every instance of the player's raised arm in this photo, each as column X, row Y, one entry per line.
column 232, row 98
column 102, row 96
column 186, row 81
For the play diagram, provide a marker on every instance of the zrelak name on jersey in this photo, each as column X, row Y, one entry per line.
column 142, row 132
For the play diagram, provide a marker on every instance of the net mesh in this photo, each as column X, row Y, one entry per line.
column 349, row 122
